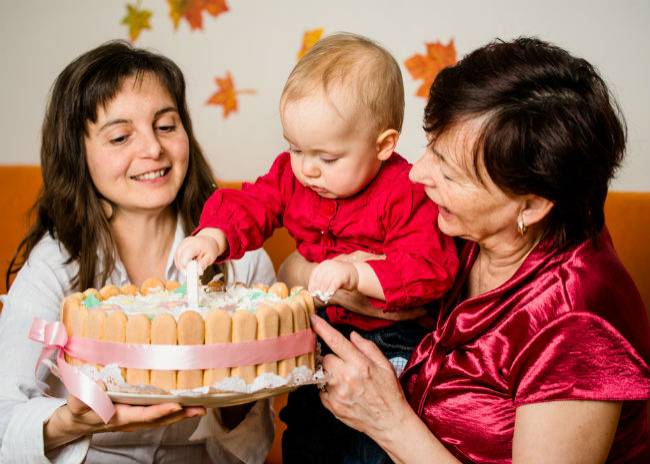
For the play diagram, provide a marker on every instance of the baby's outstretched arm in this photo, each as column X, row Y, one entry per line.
column 296, row 269
column 205, row 247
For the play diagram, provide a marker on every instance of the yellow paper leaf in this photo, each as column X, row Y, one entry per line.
column 136, row 19
column 309, row 38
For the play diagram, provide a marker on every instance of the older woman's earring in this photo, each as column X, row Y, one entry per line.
column 521, row 226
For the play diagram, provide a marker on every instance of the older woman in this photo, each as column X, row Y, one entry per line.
column 123, row 183
column 540, row 351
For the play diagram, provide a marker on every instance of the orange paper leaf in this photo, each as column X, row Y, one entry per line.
column 226, row 96
column 309, row 38
column 137, row 20
column 192, row 11
column 426, row 67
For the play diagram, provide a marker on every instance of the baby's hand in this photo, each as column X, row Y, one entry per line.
column 205, row 248
column 331, row 275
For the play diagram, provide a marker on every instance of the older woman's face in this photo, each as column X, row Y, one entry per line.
column 468, row 208
column 137, row 151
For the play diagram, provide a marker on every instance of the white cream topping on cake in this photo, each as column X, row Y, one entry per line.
column 175, row 302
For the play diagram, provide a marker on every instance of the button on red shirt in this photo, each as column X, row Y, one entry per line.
column 391, row 216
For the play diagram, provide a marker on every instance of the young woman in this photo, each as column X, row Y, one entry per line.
column 123, row 183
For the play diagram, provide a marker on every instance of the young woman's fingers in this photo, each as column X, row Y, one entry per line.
column 163, row 421
column 126, row 414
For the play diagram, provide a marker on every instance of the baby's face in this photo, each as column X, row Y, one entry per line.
column 333, row 151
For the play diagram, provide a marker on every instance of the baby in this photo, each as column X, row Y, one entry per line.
column 339, row 189
column 342, row 193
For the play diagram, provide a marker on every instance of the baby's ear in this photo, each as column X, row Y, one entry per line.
column 386, row 143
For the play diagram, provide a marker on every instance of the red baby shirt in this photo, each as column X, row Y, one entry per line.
column 391, row 216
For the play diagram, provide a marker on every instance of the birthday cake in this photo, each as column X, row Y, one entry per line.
column 158, row 313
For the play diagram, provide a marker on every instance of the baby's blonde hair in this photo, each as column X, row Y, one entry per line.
column 369, row 72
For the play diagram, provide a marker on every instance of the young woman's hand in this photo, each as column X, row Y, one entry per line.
column 75, row 420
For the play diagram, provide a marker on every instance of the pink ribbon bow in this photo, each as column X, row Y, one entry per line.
column 54, row 337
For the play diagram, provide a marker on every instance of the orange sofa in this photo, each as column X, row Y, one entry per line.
column 627, row 215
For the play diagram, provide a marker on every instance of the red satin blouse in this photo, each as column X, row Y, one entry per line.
column 566, row 326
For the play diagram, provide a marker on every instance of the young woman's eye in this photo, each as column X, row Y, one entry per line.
column 167, row 127
column 119, row 139
column 328, row 160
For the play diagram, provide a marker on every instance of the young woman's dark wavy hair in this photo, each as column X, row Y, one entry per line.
column 551, row 128
column 69, row 207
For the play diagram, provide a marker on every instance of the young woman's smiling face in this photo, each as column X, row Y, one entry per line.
column 137, row 151
column 333, row 152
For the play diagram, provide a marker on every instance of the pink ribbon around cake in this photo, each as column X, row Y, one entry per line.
column 54, row 337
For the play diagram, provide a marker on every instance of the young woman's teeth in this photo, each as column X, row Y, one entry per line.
column 150, row 175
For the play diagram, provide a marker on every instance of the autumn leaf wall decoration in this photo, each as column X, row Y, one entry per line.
column 426, row 67
column 136, row 19
column 226, row 96
column 192, row 11
column 309, row 38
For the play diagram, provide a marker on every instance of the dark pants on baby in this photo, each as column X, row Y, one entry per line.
column 314, row 435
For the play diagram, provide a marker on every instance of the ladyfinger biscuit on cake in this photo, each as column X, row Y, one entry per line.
column 151, row 285
column 109, row 291
column 115, row 330
column 129, row 289
column 94, row 326
column 218, row 328
column 138, row 330
column 244, row 329
column 73, row 316
column 309, row 301
column 279, row 289
column 268, row 326
column 301, row 322
column 191, row 331
column 171, row 285
column 163, row 332
column 285, row 315
column 263, row 287
column 92, row 291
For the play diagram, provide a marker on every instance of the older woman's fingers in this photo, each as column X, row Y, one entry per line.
column 333, row 366
column 371, row 350
column 335, row 340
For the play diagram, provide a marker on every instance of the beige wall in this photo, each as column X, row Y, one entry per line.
column 257, row 41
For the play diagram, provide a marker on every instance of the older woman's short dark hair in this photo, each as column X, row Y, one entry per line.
column 551, row 127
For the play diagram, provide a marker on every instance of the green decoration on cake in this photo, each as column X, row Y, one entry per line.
column 91, row 301
column 182, row 290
